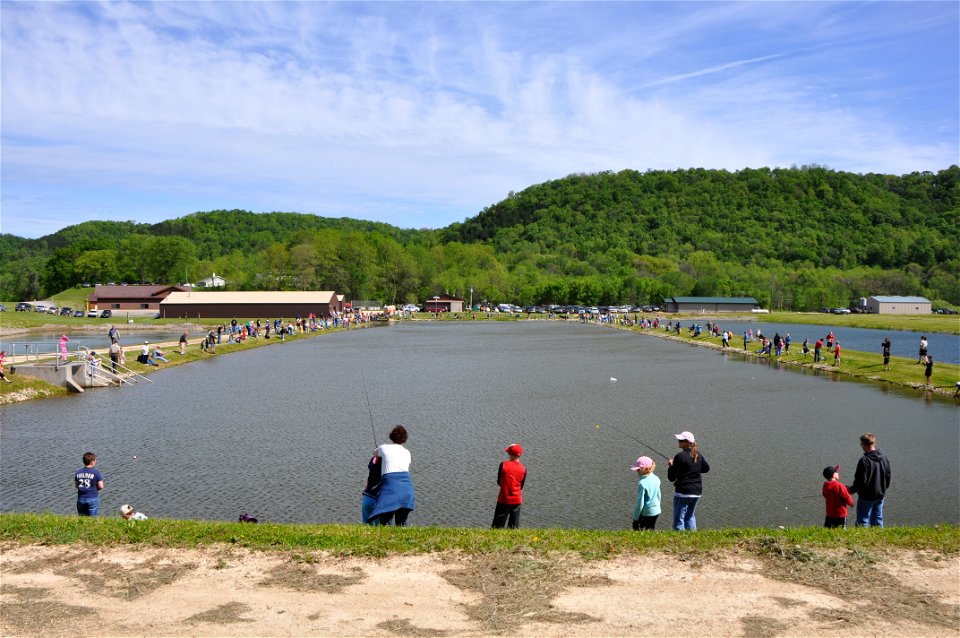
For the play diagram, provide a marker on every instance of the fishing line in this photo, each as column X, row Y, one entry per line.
column 798, row 499
column 373, row 431
column 631, row 436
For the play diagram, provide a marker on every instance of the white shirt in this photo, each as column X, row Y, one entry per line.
column 395, row 458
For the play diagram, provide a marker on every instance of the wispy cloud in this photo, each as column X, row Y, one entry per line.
column 420, row 114
column 708, row 71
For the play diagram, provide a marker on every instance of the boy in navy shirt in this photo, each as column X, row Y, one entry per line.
column 88, row 482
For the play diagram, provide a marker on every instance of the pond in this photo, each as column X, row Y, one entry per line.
column 284, row 432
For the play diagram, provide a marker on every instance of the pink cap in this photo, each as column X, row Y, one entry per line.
column 685, row 436
column 642, row 463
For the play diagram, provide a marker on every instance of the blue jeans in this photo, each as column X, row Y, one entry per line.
column 869, row 513
column 366, row 508
column 88, row 508
column 683, row 509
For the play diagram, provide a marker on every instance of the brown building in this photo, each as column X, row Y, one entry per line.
column 710, row 304
column 250, row 304
column 443, row 303
column 140, row 298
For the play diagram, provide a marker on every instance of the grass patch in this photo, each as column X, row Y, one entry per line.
column 303, row 577
column 519, row 587
column 225, row 614
column 24, row 388
column 852, row 573
column 31, row 613
column 357, row 540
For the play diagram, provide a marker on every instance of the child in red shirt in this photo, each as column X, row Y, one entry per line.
column 837, row 496
column 510, row 477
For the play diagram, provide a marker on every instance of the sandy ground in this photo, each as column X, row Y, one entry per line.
column 224, row 591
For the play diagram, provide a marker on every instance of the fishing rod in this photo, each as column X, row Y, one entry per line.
column 373, row 431
column 635, row 438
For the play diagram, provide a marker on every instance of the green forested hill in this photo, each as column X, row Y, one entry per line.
column 817, row 216
column 793, row 238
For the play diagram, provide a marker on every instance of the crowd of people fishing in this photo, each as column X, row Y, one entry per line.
column 388, row 497
column 234, row 332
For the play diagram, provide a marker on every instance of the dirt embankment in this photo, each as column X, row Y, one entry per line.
column 224, row 591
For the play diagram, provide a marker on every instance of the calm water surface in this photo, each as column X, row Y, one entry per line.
column 284, row 432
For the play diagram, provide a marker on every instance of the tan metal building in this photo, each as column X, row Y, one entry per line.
column 250, row 304
column 443, row 303
column 899, row 305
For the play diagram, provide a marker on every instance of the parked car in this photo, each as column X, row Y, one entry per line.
column 945, row 311
column 66, row 311
column 78, row 313
column 23, row 307
column 841, row 311
column 40, row 308
column 411, row 308
column 106, row 314
column 92, row 312
column 3, row 308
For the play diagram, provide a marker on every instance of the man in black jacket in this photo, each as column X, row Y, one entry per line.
column 870, row 482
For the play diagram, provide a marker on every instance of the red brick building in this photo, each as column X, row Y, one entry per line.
column 141, row 298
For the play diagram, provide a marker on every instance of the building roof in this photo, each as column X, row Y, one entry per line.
column 737, row 300
column 251, row 296
column 133, row 292
column 895, row 299
column 444, row 298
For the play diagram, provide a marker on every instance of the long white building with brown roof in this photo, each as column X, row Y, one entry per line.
column 250, row 304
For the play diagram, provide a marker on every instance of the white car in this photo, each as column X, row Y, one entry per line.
column 411, row 308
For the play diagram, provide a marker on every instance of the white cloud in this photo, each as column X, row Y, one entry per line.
column 439, row 108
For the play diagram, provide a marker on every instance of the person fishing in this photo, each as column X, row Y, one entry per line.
column 396, row 498
column 684, row 471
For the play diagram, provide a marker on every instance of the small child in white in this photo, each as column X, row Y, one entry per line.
column 130, row 514
column 647, row 509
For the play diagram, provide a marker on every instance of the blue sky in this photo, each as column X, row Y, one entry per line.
column 422, row 114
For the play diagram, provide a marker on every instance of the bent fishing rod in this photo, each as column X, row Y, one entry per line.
column 631, row 436
column 373, row 431
column 794, row 499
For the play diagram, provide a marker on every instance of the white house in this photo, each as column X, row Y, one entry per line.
column 216, row 281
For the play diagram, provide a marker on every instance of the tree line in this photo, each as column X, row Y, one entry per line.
column 797, row 238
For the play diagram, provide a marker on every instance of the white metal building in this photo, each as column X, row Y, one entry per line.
column 899, row 305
